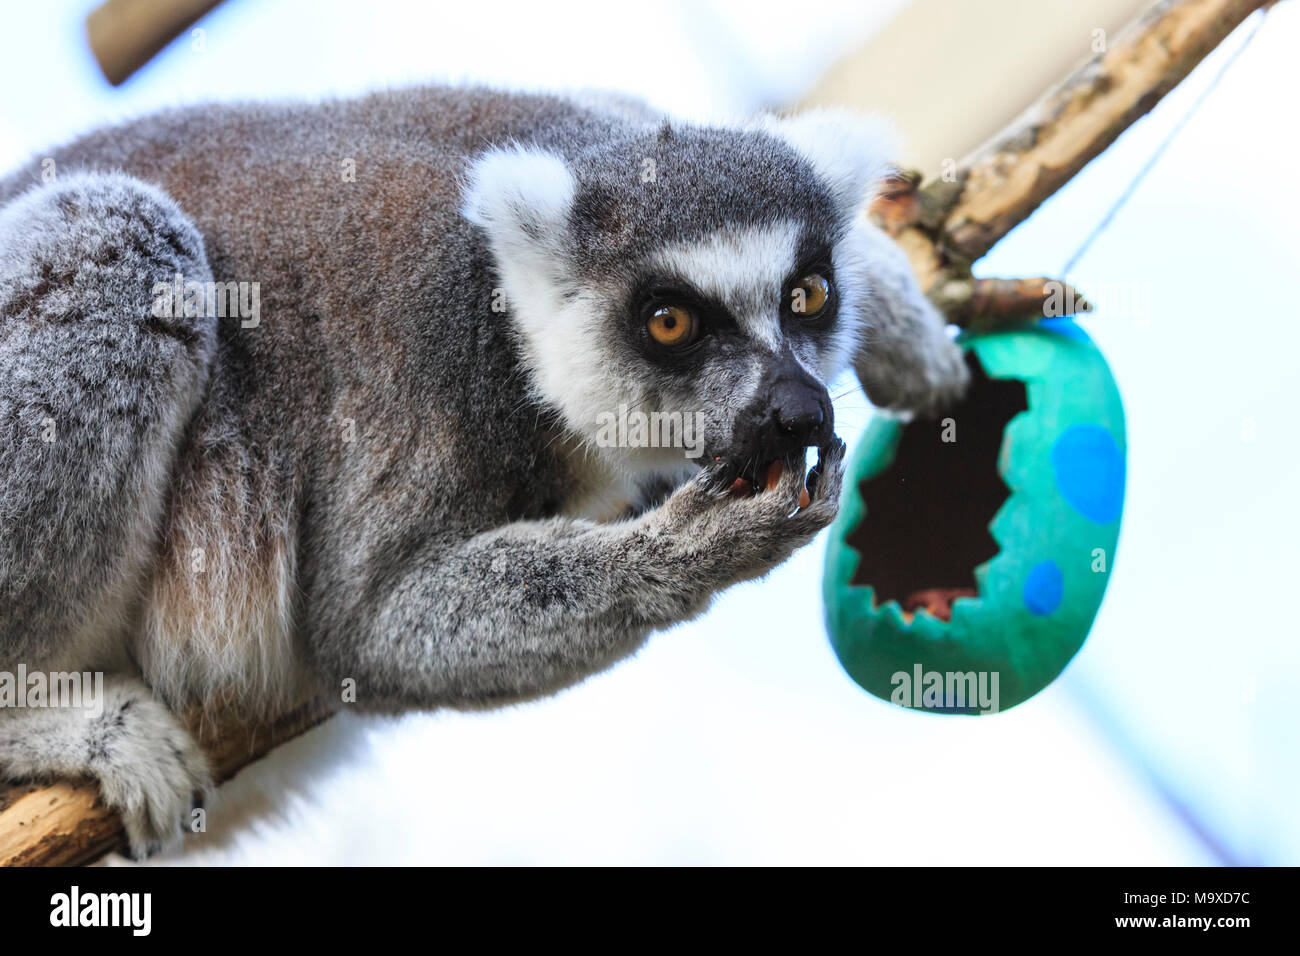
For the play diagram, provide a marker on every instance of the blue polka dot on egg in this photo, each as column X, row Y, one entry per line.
column 1044, row 588
column 1090, row 472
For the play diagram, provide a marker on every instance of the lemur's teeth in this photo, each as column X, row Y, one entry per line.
column 773, row 475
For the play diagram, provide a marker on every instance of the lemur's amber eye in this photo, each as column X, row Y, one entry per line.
column 810, row 295
column 673, row 326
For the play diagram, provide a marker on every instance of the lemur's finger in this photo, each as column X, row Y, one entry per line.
column 694, row 500
column 834, row 450
column 826, row 494
column 714, row 479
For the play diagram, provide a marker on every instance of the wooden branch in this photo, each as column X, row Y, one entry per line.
column 943, row 226
column 124, row 35
column 1005, row 180
column 947, row 224
column 984, row 304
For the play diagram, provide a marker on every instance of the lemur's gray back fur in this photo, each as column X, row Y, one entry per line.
column 377, row 482
column 375, row 307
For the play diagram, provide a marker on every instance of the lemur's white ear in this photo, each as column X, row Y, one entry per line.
column 853, row 152
column 520, row 195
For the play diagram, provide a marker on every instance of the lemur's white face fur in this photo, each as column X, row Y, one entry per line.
column 712, row 274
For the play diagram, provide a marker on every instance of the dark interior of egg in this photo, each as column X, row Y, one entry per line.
column 927, row 515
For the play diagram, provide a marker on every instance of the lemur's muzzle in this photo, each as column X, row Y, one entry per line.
column 791, row 412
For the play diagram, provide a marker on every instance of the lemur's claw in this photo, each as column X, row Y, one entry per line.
column 835, row 447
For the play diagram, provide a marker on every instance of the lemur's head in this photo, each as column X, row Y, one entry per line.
column 681, row 276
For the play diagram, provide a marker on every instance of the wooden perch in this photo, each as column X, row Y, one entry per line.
column 943, row 226
column 124, row 35
column 984, row 304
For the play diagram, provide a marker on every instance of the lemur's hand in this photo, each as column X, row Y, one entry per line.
column 703, row 539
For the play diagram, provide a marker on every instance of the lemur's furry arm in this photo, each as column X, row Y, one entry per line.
column 568, row 596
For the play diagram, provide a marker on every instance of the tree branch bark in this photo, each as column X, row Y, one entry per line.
column 946, row 224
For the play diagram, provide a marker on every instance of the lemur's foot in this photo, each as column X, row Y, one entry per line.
column 932, row 380
column 944, row 384
column 148, row 767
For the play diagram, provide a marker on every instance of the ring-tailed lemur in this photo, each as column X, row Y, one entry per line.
column 393, row 473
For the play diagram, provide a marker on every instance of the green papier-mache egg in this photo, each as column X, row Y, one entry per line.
column 1013, row 497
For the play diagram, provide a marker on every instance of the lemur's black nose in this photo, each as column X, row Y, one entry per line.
column 800, row 408
column 799, row 412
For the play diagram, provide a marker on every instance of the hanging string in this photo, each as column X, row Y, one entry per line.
column 1160, row 150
